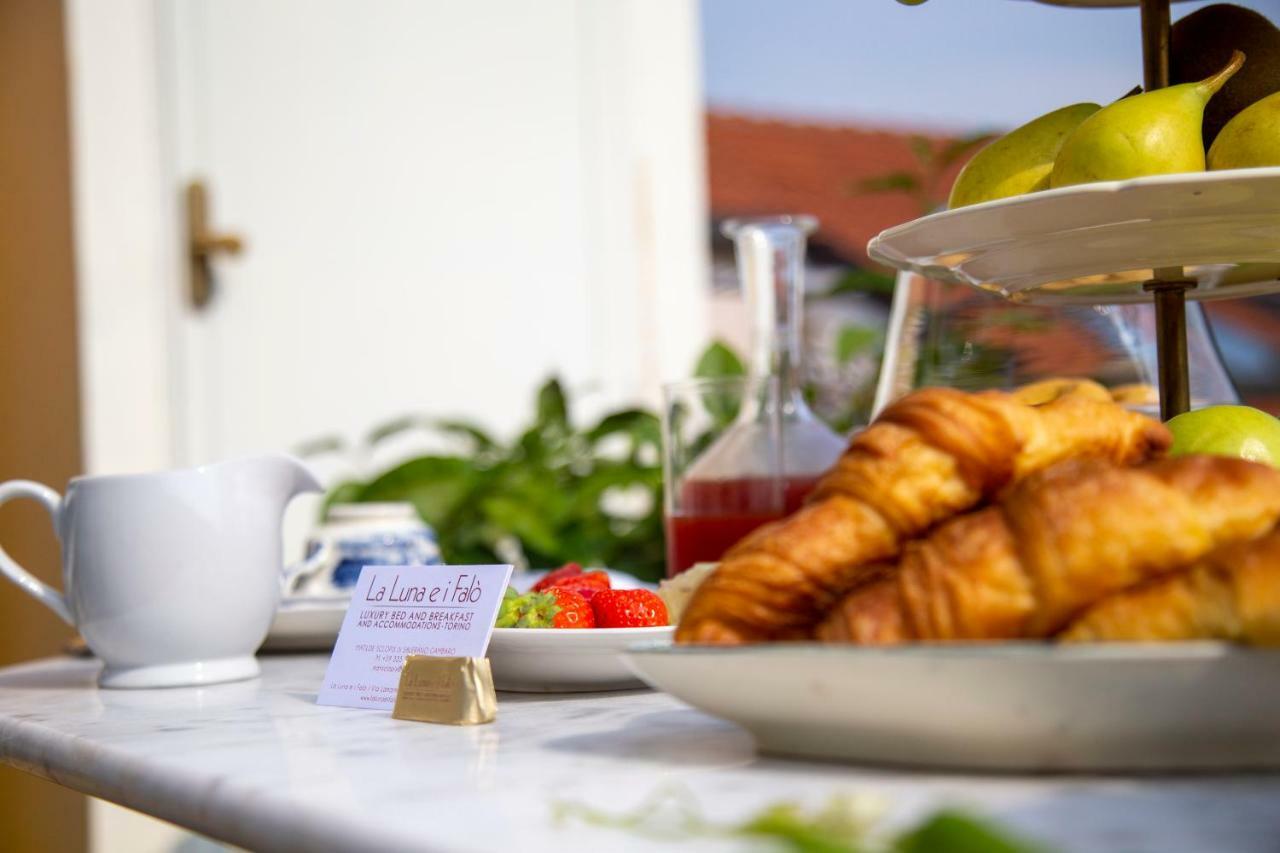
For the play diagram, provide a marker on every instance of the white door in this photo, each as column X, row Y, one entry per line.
column 442, row 203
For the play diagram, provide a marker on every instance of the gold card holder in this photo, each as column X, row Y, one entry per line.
column 455, row 691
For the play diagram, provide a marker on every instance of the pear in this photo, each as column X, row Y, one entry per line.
column 1250, row 139
column 1020, row 161
column 1155, row 133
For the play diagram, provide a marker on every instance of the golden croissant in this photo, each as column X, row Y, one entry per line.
column 928, row 456
column 1059, row 542
column 1232, row 594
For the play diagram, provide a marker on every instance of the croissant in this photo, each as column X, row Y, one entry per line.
column 1057, row 543
column 1232, row 594
column 928, row 456
column 1048, row 390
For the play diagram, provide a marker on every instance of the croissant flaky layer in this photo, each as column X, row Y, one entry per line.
column 932, row 454
column 1232, row 594
column 1059, row 542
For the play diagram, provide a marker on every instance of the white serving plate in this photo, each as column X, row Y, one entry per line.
column 569, row 660
column 308, row 624
column 1010, row 706
column 1097, row 243
column 305, row 623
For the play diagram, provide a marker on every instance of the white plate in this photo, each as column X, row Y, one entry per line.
column 1097, row 243
column 311, row 623
column 306, row 624
column 569, row 660
column 1010, row 706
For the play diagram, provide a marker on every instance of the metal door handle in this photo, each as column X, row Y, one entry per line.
column 203, row 244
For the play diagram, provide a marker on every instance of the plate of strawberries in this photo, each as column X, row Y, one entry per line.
column 567, row 632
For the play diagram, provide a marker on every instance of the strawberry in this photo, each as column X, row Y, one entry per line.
column 573, row 612
column 586, row 584
column 628, row 608
column 550, row 579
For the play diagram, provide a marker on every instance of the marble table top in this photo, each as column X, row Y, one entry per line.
column 260, row 765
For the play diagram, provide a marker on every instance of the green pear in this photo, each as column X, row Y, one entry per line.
column 1227, row 431
column 1155, row 133
column 1250, row 139
column 1020, row 161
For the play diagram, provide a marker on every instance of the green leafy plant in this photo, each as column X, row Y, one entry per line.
column 549, row 496
column 541, row 499
column 718, row 361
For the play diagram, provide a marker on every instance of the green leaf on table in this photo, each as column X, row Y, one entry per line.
column 435, row 485
column 846, row 824
column 787, row 823
column 956, row 832
column 853, row 341
column 719, row 361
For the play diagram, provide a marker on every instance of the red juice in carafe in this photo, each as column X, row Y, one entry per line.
column 715, row 514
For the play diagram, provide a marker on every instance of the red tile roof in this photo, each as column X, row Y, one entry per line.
column 759, row 166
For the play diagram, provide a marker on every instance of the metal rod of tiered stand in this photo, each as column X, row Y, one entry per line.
column 1168, row 287
column 1171, row 344
column 1155, row 44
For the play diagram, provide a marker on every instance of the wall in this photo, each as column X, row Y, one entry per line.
column 39, row 435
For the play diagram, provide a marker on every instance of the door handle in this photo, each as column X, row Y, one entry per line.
column 203, row 244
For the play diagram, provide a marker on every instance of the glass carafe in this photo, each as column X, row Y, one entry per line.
column 725, row 476
column 960, row 337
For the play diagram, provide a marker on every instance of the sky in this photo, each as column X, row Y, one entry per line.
column 951, row 65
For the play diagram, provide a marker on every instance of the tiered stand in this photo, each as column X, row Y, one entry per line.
column 1163, row 239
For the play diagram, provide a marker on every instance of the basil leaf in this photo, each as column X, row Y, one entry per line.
column 955, row 832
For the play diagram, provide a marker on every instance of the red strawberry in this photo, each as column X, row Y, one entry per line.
column 586, row 584
column 574, row 610
column 628, row 608
column 550, row 579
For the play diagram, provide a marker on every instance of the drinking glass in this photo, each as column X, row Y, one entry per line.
column 721, row 478
column 740, row 452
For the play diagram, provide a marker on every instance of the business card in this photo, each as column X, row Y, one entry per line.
column 397, row 611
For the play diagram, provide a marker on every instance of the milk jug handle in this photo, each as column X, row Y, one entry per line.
column 41, row 592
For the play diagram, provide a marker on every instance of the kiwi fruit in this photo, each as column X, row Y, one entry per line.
column 1202, row 42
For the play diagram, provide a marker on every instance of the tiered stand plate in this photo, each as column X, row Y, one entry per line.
column 1100, row 243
